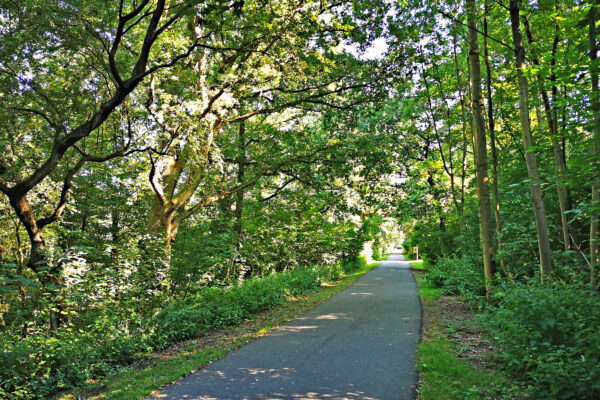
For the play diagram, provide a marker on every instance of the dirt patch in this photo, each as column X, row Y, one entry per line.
column 454, row 318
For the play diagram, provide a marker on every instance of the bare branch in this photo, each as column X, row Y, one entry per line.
column 279, row 189
column 62, row 202
column 36, row 112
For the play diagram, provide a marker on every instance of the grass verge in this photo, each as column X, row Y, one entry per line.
column 143, row 378
column 454, row 357
column 444, row 376
column 426, row 290
column 420, row 265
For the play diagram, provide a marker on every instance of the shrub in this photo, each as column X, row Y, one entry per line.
column 354, row 264
column 39, row 365
column 219, row 307
column 460, row 276
column 377, row 248
column 551, row 336
column 433, row 243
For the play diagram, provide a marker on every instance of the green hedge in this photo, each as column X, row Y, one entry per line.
column 40, row 365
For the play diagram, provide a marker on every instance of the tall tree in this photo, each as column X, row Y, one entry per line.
column 61, row 86
column 272, row 68
column 480, row 149
column 532, row 168
column 492, row 127
column 550, row 110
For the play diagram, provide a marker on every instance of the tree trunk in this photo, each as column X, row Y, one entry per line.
column 463, row 166
column 239, row 205
column 532, row 169
column 114, row 231
column 594, row 257
column 559, row 159
column 480, row 151
column 20, row 261
column 493, row 143
column 48, row 275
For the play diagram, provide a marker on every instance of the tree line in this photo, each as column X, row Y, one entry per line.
column 473, row 79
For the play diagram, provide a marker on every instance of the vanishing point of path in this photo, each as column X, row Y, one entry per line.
column 359, row 344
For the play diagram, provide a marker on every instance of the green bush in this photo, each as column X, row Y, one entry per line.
column 219, row 307
column 331, row 272
column 40, row 365
column 377, row 248
column 433, row 244
column 459, row 276
column 551, row 336
column 354, row 264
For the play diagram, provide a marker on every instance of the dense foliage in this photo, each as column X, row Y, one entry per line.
column 39, row 365
column 551, row 336
column 540, row 287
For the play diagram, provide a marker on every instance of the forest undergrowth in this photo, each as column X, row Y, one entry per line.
column 532, row 341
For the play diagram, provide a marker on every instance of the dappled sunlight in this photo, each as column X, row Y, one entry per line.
column 357, row 345
column 298, row 328
column 274, row 372
column 322, row 394
column 318, row 395
column 333, row 316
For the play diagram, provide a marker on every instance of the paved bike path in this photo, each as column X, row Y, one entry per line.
column 359, row 344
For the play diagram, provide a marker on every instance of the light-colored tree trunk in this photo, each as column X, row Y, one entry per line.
column 492, row 126
column 559, row 159
column 480, row 150
column 532, row 169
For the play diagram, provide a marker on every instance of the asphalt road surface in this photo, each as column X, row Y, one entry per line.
column 360, row 344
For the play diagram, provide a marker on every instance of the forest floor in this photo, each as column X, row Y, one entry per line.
column 455, row 355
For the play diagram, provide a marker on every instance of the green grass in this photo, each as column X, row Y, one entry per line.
column 443, row 375
column 420, row 265
column 426, row 290
column 446, row 377
column 130, row 384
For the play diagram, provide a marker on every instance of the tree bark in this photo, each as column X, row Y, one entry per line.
column 480, row 150
column 48, row 275
column 559, row 159
column 532, row 169
column 239, row 205
column 492, row 126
